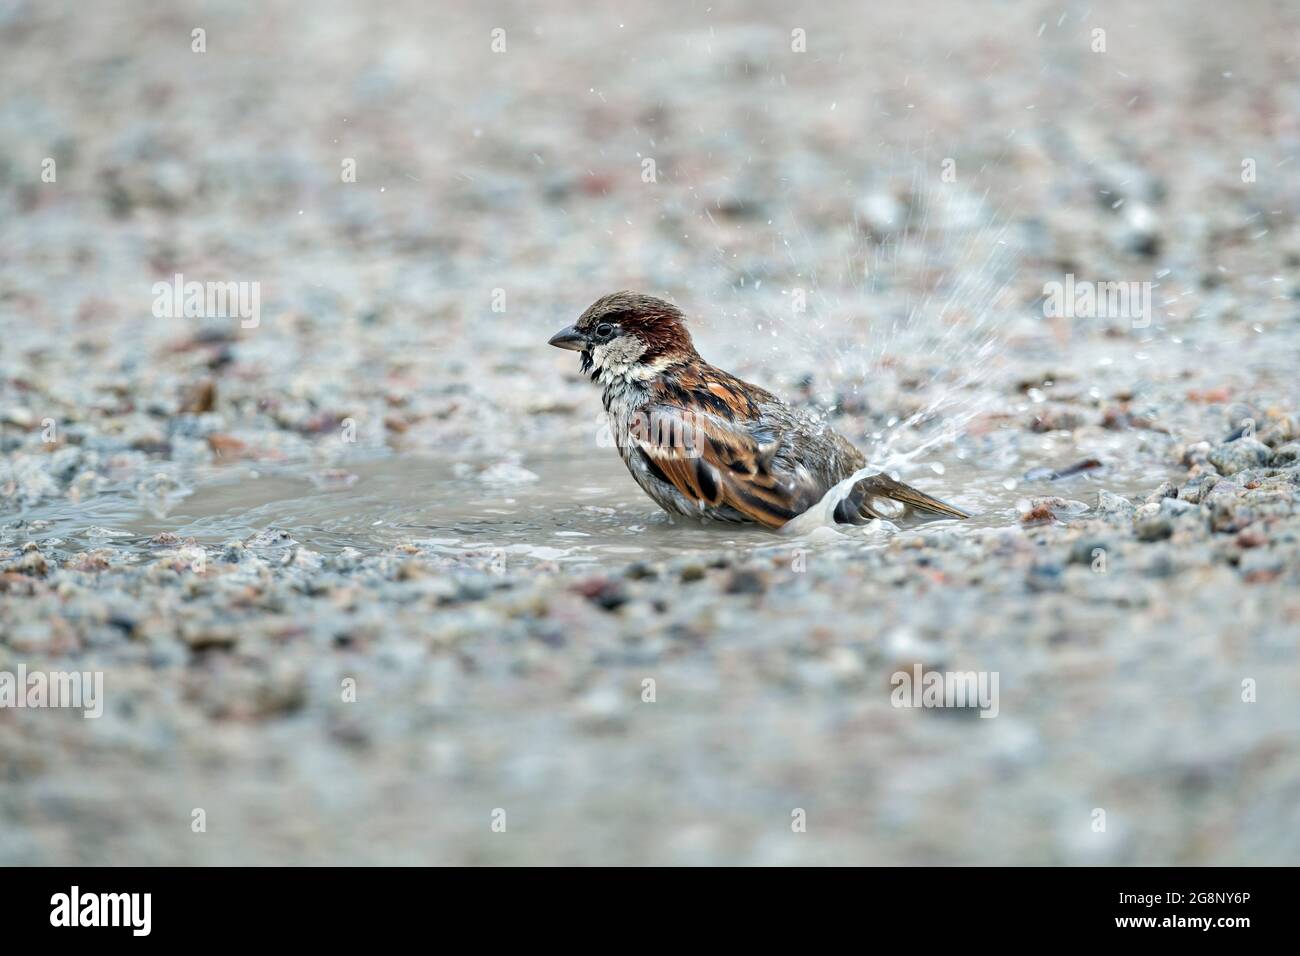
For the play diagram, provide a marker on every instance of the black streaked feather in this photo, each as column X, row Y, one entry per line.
column 704, row 475
column 651, row 466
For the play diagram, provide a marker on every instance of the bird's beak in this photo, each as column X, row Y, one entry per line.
column 569, row 338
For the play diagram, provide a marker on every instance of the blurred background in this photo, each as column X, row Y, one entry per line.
column 388, row 479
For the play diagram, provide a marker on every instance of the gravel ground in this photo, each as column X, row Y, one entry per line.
column 325, row 693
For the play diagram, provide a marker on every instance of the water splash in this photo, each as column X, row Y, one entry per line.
column 822, row 514
column 918, row 292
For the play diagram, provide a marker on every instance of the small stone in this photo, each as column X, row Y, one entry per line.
column 1160, row 566
column 1109, row 505
column 1278, row 432
column 1056, row 419
column 1222, row 490
column 1286, row 454
column 90, row 561
column 17, row 416
column 1140, row 233
column 1175, row 507
column 1197, row 453
column 1251, row 538
column 468, row 592
column 1037, row 515
column 1234, row 456
column 349, row 559
column 209, row 638
column 606, row 594
column 1044, row 575
column 1228, row 515
column 1153, row 527
column 1167, row 489
column 199, row 398
column 1084, row 551
column 1196, row 489
column 32, row 562
column 269, row 539
column 413, row 570
column 125, row 623
column 227, row 446
column 1058, row 506
column 603, row 710
column 306, row 558
column 746, row 582
column 845, row 664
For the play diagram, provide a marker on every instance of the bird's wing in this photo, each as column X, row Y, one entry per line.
column 716, row 463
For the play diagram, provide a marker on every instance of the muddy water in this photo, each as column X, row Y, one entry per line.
column 574, row 511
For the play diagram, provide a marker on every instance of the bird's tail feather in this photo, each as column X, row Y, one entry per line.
column 882, row 486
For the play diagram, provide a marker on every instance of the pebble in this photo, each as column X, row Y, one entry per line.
column 1167, row 489
column 746, row 582
column 1087, row 550
column 1195, row 490
column 1153, row 526
column 1286, row 454
column 1231, row 457
column 1174, row 507
column 604, row 709
column 21, row 417
column 1112, row 505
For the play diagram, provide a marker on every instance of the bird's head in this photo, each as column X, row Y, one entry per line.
column 629, row 335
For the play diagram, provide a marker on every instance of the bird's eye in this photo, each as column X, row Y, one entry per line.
column 604, row 330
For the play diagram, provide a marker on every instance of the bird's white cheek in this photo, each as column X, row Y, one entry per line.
column 618, row 356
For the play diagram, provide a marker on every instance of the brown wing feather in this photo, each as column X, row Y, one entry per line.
column 718, row 464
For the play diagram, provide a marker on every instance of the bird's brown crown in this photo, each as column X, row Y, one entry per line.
column 657, row 322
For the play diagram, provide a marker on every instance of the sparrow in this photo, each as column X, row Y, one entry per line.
column 703, row 443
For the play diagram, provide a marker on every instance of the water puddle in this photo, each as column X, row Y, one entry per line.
column 563, row 510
